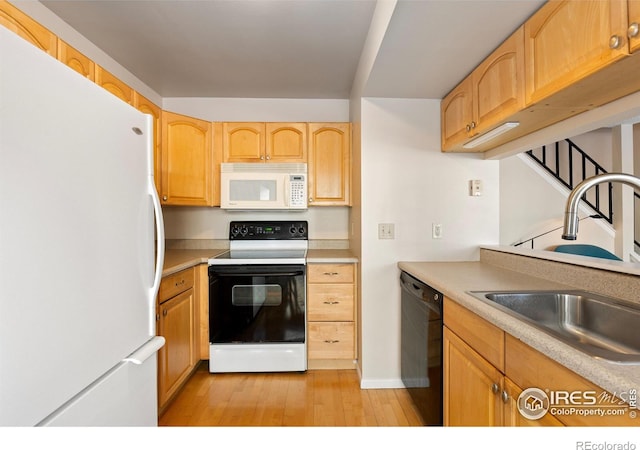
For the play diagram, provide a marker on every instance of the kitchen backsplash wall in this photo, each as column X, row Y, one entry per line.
column 197, row 227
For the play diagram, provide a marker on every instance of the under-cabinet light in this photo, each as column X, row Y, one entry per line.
column 491, row 134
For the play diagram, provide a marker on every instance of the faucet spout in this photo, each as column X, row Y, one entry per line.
column 571, row 210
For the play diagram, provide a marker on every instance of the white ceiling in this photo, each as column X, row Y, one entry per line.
column 293, row 48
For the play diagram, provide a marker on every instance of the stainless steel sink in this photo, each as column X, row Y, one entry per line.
column 602, row 327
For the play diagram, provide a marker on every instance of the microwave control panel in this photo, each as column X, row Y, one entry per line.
column 298, row 192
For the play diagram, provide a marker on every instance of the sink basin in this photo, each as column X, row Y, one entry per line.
column 602, row 327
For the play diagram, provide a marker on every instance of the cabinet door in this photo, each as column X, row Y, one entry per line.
column 286, row 142
column 187, row 177
column 471, row 386
column 456, row 111
column 178, row 357
column 243, row 142
column 27, row 28
column 329, row 164
column 146, row 106
column 498, row 83
column 565, row 41
column 114, row 85
column 76, row 60
column 633, row 32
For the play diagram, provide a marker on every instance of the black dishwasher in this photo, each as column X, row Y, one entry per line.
column 421, row 346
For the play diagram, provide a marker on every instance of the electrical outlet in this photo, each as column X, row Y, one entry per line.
column 436, row 230
column 386, row 231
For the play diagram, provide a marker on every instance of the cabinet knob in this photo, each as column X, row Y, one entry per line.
column 164, row 198
column 310, row 199
column 615, row 42
column 632, row 31
column 495, row 388
column 164, row 312
column 268, row 157
column 504, row 396
column 261, row 157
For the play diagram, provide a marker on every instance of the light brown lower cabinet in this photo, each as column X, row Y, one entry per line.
column 486, row 370
column 176, row 322
column 331, row 324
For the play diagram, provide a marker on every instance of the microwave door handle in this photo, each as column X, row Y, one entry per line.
column 287, row 192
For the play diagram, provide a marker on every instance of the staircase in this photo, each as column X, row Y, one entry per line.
column 570, row 165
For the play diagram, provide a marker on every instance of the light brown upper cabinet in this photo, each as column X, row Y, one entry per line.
column 27, row 28
column 146, row 106
column 457, row 115
column 566, row 41
column 114, row 85
column 76, row 60
column 187, row 161
column 329, row 168
column 498, row 84
column 633, row 31
column 493, row 92
column 264, row 142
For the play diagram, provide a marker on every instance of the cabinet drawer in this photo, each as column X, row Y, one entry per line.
column 331, row 340
column 330, row 302
column 330, row 273
column 172, row 285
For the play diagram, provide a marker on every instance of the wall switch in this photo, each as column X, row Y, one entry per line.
column 436, row 230
column 475, row 188
column 386, row 231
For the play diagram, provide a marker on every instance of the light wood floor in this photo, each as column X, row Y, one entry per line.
column 313, row 398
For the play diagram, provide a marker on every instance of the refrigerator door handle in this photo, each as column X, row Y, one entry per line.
column 159, row 241
column 146, row 351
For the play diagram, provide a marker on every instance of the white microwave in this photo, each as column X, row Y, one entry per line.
column 251, row 186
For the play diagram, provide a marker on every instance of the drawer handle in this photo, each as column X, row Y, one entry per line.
column 331, row 273
column 331, row 341
column 332, row 302
column 180, row 283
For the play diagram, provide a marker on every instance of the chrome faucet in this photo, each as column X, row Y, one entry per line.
column 571, row 210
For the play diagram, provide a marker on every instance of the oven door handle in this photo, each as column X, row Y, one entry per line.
column 257, row 274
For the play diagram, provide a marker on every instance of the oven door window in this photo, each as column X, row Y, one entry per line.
column 252, row 304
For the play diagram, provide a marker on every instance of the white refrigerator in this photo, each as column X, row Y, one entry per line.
column 81, row 249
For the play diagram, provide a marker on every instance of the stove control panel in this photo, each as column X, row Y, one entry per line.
column 265, row 230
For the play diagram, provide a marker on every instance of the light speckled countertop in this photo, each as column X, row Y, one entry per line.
column 454, row 279
column 177, row 260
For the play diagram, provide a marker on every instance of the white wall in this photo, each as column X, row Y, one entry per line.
column 531, row 204
column 407, row 181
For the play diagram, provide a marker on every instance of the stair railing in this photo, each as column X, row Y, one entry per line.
column 574, row 166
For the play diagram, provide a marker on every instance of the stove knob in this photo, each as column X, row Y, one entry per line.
column 234, row 231
column 244, row 230
column 292, row 230
column 301, row 230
